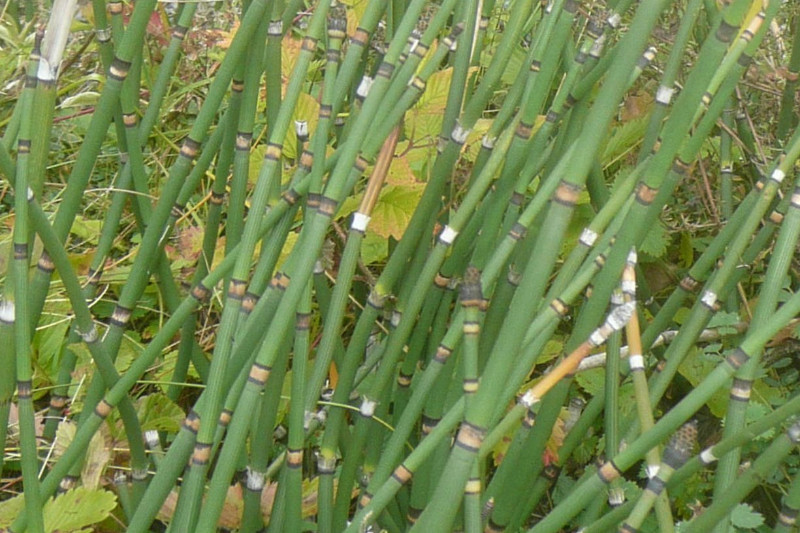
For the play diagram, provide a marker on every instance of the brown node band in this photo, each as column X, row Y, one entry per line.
column 361, row 163
column 199, row 292
column 217, row 198
column 608, row 472
column 58, row 402
column 225, row 418
column 189, row 148
column 24, row 146
column 413, row 515
column 795, row 199
column 706, row 99
column 402, row 474
column 375, row 300
column 428, row 424
column 274, row 151
column 788, row 516
column 302, row 321
column 202, row 453
column 656, row 485
column 517, row 231
column 192, row 422
column 360, row 37
column 312, row 200
column 309, row 44
column 737, row 358
column 740, row 390
column 290, row 196
column 24, row 389
column 129, row 119
column 237, row 289
column 103, row 409
column 325, row 111
column 470, row 385
column 294, row 458
column 645, row 194
column 306, row 159
column 627, row 528
column 471, row 328
column 179, row 32
column 332, row 55
column 403, row 380
column 418, row 83
column 327, row 206
column 441, row 281
column 21, row 251
column 364, row 500
column 442, row 354
column 120, row 316
column 689, row 284
column 45, row 264
column 259, row 374
column 776, row 217
column 115, row 8
column 243, row 139
column 470, row 437
column 725, row 32
column 570, row 6
column 566, row 194
column 385, row 70
column 524, row 130
column 249, row 302
column 68, row 482
column 473, row 486
column 529, row 420
column 560, row 308
column 552, row 116
column 536, row 66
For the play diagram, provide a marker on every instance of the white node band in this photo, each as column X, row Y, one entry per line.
column 588, row 237
column 360, row 222
column 364, row 87
column 528, row 399
column 664, row 95
column 636, row 362
column 778, row 175
column 597, row 338
column 707, row 456
column 709, row 298
column 460, row 134
column 628, row 286
column 448, row 235
column 7, row 311
column 368, row 408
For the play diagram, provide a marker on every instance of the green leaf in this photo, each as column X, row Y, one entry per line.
column 745, row 517
column 623, row 138
column 656, row 241
column 374, row 248
column 695, row 367
column 158, row 412
column 72, row 511
column 393, row 210
column 724, row 321
column 88, row 230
